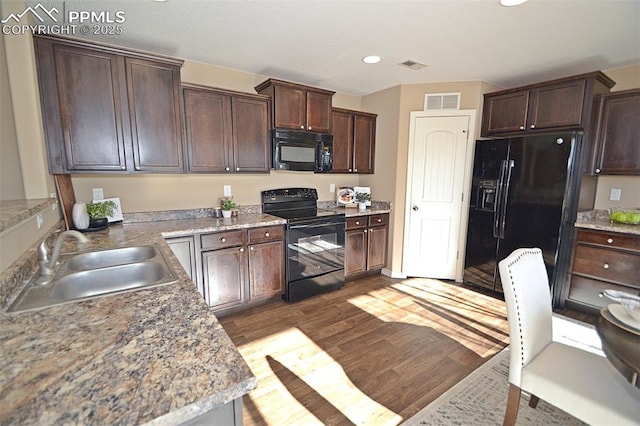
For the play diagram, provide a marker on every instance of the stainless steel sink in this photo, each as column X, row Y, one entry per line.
column 99, row 273
column 113, row 257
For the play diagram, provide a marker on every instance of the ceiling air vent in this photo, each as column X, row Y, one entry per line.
column 437, row 101
column 412, row 64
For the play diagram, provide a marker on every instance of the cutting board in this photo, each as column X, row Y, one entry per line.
column 67, row 197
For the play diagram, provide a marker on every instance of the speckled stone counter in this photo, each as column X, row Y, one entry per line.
column 377, row 207
column 599, row 220
column 157, row 355
column 13, row 212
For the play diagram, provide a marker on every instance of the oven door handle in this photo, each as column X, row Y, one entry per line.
column 315, row 225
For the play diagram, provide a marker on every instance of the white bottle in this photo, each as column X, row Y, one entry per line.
column 80, row 215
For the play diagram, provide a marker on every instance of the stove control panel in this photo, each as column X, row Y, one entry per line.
column 289, row 194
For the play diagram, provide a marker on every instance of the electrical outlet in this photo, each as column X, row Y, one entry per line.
column 332, row 187
column 98, row 193
column 39, row 220
column 227, row 190
column 615, row 194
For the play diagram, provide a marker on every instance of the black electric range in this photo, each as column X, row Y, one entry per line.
column 314, row 239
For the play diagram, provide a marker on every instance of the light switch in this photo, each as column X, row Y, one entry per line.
column 615, row 194
column 332, row 187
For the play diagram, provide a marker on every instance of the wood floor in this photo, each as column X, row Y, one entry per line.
column 373, row 353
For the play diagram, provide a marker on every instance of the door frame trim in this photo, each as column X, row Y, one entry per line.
column 466, row 188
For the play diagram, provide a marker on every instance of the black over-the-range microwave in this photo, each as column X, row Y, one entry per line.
column 303, row 151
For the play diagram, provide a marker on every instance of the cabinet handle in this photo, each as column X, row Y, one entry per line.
column 597, row 171
column 521, row 127
column 533, row 126
column 223, row 239
column 226, row 169
column 266, row 234
column 610, row 240
column 241, row 249
column 605, row 266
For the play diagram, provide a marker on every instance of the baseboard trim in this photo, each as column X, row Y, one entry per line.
column 391, row 274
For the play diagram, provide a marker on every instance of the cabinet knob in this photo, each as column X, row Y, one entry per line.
column 223, row 240
column 226, row 169
column 302, row 127
column 379, row 220
column 597, row 170
column 237, row 169
column 533, row 126
column 137, row 167
column 349, row 169
column 266, row 234
column 521, row 127
column 355, row 170
column 241, row 249
column 605, row 266
column 610, row 240
column 357, row 222
column 123, row 167
column 251, row 248
column 309, row 127
column 365, row 231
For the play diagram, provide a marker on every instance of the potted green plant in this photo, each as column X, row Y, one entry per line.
column 362, row 198
column 98, row 213
column 226, row 206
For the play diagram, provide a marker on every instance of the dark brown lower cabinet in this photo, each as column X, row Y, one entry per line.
column 366, row 244
column 603, row 261
column 241, row 267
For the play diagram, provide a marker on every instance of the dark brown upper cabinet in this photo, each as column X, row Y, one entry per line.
column 226, row 131
column 556, row 105
column 107, row 109
column 617, row 149
column 354, row 136
column 298, row 107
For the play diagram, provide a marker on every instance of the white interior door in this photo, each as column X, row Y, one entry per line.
column 437, row 169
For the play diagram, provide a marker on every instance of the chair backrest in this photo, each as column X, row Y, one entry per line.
column 528, row 299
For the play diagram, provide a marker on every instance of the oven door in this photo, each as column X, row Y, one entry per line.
column 315, row 259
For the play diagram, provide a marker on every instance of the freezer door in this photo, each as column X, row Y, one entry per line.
column 534, row 201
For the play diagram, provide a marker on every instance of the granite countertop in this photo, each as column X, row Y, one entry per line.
column 599, row 220
column 157, row 355
column 13, row 212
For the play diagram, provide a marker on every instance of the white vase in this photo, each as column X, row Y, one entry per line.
column 362, row 206
column 80, row 216
column 226, row 213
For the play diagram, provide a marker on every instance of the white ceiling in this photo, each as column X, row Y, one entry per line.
column 321, row 42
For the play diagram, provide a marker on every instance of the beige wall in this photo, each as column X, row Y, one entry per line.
column 11, row 187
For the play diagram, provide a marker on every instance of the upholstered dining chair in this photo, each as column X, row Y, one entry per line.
column 579, row 382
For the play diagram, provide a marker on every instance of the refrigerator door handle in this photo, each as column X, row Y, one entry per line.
column 499, row 193
column 505, row 197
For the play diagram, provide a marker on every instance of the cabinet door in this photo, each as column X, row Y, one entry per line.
column 355, row 252
column 377, row 248
column 506, row 113
column 318, row 107
column 556, row 106
column 342, row 142
column 224, row 274
column 618, row 137
column 208, row 131
column 92, row 103
column 266, row 270
column 289, row 107
column 251, row 145
column 364, row 143
column 154, row 107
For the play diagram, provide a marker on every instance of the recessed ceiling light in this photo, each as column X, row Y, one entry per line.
column 511, row 2
column 371, row 59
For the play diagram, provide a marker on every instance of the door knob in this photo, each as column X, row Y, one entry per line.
column 414, row 208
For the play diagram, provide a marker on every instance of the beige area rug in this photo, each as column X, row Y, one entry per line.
column 481, row 397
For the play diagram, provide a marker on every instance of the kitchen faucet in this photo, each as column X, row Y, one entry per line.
column 47, row 265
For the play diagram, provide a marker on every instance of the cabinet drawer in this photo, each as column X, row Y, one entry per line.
column 357, row 222
column 266, row 233
column 608, row 265
column 610, row 239
column 378, row 219
column 587, row 290
column 220, row 240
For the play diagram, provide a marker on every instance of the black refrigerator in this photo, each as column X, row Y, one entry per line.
column 517, row 200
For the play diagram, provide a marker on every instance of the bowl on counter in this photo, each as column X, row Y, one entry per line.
column 629, row 216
